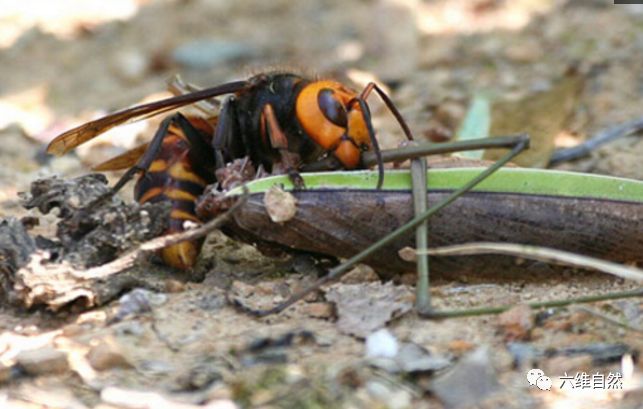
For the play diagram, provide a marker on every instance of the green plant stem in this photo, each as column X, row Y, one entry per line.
column 425, row 149
column 471, row 312
column 418, row 179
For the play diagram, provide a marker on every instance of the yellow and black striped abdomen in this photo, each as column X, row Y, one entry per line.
column 179, row 174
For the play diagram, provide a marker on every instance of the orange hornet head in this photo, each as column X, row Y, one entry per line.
column 329, row 113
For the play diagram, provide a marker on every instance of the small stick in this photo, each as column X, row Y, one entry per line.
column 600, row 138
column 177, row 87
column 540, row 254
column 129, row 259
column 342, row 269
column 609, row 318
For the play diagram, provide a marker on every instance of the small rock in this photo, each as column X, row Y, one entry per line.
column 516, row 323
column 409, row 358
column 381, row 344
column 106, row 354
column 138, row 301
column 360, row 274
column 43, row 361
column 319, row 309
column 469, row 382
column 524, row 354
column 414, row 358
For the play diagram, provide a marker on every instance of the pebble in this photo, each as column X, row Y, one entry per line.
column 42, row 361
column 138, row 301
column 381, row 344
column 414, row 358
column 469, row 382
column 106, row 354
column 360, row 274
column 523, row 354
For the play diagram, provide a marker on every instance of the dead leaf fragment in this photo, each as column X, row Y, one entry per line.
column 280, row 205
column 364, row 308
column 542, row 115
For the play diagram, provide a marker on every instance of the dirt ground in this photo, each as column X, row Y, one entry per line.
column 187, row 346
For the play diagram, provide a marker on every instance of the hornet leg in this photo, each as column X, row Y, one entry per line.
column 278, row 140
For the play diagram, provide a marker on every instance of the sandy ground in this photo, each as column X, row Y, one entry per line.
column 61, row 67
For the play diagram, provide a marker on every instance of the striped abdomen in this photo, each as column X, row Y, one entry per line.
column 179, row 174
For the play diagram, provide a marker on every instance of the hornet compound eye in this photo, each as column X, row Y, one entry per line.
column 332, row 108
